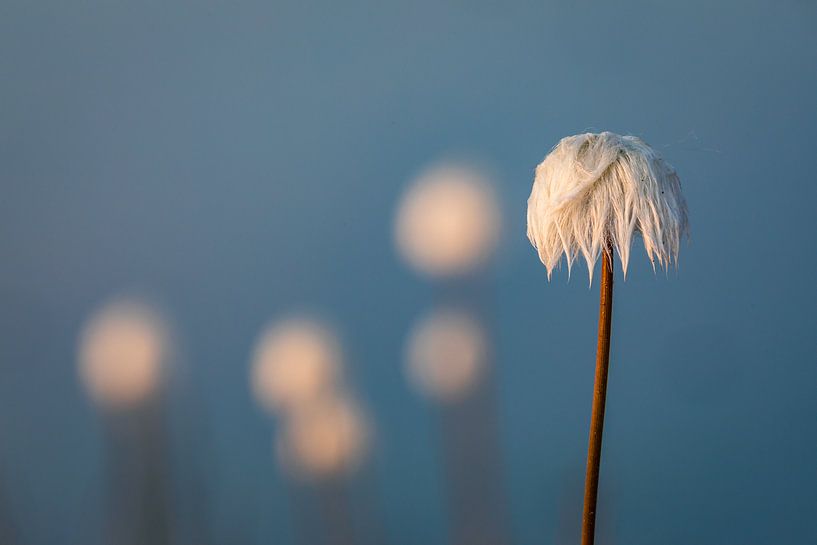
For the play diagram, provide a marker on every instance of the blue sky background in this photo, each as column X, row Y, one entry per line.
column 237, row 160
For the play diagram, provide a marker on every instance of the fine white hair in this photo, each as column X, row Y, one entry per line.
column 593, row 191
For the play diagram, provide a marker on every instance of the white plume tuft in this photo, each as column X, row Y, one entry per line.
column 593, row 191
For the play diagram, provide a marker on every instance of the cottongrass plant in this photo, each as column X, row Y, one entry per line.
column 125, row 354
column 590, row 195
column 297, row 375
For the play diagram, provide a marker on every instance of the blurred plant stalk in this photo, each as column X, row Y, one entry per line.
column 469, row 428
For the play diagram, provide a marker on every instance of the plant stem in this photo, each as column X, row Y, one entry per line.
column 591, row 484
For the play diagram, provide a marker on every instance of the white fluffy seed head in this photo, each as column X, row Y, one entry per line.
column 593, row 191
column 448, row 222
column 123, row 353
column 295, row 362
column 325, row 438
column 447, row 355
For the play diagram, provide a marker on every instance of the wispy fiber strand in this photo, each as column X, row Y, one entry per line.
column 593, row 191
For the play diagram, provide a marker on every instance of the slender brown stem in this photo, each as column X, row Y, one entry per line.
column 591, row 484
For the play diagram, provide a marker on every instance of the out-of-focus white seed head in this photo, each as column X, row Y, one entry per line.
column 448, row 221
column 325, row 438
column 295, row 361
column 123, row 348
column 446, row 355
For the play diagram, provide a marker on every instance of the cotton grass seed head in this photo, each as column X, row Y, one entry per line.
column 123, row 351
column 593, row 191
column 448, row 221
column 326, row 438
column 295, row 362
column 447, row 355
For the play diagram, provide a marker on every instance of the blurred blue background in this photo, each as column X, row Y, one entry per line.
column 237, row 160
